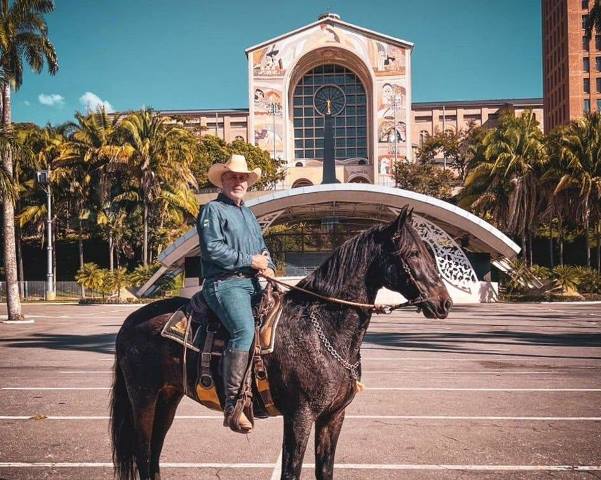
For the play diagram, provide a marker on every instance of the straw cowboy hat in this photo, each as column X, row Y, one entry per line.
column 236, row 163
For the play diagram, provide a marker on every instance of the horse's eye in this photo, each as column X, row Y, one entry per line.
column 413, row 254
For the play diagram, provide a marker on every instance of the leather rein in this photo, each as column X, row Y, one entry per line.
column 376, row 308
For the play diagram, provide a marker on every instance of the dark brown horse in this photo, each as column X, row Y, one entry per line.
column 309, row 384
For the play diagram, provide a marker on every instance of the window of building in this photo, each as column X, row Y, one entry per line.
column 587, row 106
column 423, row 135
column 599, row 105
column 598, row 85
column 587, row 85
column 585, row 42
column 586, row 64
column 584, row 4
column 584, row 21
column 597, row 42
column 350, row 130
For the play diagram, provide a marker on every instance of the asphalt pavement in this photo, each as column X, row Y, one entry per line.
column 494, row 391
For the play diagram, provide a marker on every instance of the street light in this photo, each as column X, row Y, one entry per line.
column 43, row 178
column 273, row 108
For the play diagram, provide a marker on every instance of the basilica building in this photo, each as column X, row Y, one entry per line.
column 365, row 79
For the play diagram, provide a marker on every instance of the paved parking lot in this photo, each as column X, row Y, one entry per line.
column 494, row 391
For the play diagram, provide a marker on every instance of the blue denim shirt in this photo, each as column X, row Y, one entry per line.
column 229, row 237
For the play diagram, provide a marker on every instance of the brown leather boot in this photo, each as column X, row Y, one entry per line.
column 234, row 368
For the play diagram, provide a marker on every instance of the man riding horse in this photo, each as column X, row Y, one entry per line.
column 232, row 252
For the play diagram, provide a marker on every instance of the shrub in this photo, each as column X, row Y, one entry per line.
column 567, row 276
column 589, row 280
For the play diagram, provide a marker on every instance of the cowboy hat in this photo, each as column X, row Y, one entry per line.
column 236, row 163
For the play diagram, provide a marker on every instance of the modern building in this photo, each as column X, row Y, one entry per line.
column 571, row 62
column 334, row 99
column 370, row 73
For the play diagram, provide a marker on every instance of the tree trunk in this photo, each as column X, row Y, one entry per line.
column 10, row 255
column 145, row 249
column 20, row 270
column 551, row 259
column 81, row 261
column 54, row 273
column 560, row 238
column 524, row 249
column 530, row 249
column 599, row 246
column 111, row 251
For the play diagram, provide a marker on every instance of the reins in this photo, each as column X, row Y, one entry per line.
column 386, row 309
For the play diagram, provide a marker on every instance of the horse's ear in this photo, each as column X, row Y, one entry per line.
column 400, row 220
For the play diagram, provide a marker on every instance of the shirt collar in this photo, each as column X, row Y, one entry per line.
column 225, row 199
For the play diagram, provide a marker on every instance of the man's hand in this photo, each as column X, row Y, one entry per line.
column 260, row 262
column 268, row 272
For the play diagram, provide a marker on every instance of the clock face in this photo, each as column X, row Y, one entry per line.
column 329, row 100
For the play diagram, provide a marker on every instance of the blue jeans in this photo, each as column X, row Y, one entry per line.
column 232, row 300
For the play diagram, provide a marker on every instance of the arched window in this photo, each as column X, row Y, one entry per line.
column 350, row 126
column 359, row 179
column 423, row 135
column 299, row 164
column 302, row 182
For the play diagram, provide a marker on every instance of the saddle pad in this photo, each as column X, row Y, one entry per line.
column 176, row 328
column 268, row 329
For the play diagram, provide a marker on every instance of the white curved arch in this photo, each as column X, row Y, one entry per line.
column 482, row 236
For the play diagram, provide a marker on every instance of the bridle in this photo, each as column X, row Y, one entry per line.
column 375, row 308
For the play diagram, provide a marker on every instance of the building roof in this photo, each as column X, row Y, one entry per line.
column 488, row 103
column 517, row 102
column 333, row 18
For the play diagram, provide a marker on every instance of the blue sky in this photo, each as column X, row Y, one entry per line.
column 186, row 54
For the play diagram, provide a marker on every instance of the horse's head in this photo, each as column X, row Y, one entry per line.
column 410, row 268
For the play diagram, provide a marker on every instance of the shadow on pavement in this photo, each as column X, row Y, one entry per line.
column 100, row 343
column 460, row 342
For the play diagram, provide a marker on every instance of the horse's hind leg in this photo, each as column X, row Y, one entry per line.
column 166, row 407
column 327, row 430
column 143, row 423
column 296, row 434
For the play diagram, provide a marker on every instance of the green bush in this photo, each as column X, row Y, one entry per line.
column 567, row 276
column 589, row 280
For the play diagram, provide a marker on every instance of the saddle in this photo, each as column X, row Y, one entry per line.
column 198, row 329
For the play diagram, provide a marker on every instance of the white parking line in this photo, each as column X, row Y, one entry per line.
column 277, row 468
column 339, row 466
column 368, row 389
column 407, row 371
column 458, row 389
column 354, row 417
column 55, row 388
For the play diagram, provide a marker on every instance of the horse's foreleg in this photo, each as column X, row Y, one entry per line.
column 164, row 414
column 327, row 430
column 143, row 424
column 296, row 435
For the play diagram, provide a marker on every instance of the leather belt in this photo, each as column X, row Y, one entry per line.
column 228, row 276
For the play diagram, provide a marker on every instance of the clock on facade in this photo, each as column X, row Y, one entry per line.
column 329, row 100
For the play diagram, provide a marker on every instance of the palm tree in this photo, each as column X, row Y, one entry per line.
column 93, row 152
column 160, row 157
column 581, row 162
column 23, row 35
column 504, row 177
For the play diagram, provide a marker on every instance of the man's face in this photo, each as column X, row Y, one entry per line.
column 234, row 185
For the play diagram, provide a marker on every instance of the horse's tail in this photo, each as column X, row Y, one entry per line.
column 122, row 428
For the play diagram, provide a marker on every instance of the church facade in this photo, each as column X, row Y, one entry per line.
column 369, row 74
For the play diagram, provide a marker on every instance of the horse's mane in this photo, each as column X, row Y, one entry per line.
column 353, row 256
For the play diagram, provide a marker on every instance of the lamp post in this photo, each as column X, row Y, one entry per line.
column 394, row 102
column 43, row 177
column 273, row 109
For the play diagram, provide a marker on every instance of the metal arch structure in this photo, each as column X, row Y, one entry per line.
column 438, row 222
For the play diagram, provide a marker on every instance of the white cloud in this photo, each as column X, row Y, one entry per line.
column 51, row 100
column 93, row 103
column 27, row 102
